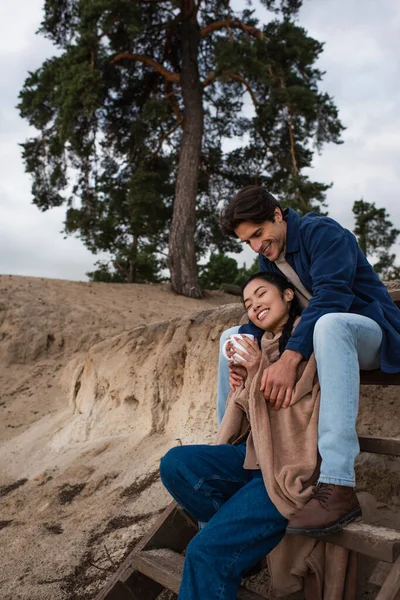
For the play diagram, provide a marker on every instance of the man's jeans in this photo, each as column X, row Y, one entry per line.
column 344, row 343
column 242, row 526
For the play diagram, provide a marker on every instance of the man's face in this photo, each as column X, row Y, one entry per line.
column 265, row 238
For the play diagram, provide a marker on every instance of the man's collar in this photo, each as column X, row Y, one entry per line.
column 292, row 219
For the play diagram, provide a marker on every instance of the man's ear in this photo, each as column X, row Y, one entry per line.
column 288, row 295
column 278, row 216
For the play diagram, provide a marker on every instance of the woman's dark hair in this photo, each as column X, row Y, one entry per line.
column 253, row 203
column 282, row 284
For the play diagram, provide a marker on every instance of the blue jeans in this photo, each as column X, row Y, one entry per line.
column 242, row 526
column 344, row 343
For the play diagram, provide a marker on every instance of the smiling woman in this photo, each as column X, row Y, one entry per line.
column 267, row 301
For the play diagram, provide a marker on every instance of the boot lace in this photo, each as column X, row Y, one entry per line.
column 322, row 493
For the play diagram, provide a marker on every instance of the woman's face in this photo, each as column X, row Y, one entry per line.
column 265, row 306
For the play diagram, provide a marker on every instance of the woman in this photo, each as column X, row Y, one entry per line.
column 226, row 485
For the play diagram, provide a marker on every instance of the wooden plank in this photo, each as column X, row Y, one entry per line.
column 371, row 540
column 395, row 296
column 166, row 567
column 390, row 589
column 173, row 530
column 380, row 445
column 377, row 377
column 129, row 584
column 120, row 591
column 142, row 587
column 123, row 573
column 126, row 569
column 379, row 574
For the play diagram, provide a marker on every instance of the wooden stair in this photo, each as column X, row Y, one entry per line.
column 157, row 561
column 166, row 567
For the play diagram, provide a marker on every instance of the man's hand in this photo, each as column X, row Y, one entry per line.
column 279, row 378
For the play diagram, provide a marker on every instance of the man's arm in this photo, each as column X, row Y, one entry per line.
column 333, row 255
column 333, row 261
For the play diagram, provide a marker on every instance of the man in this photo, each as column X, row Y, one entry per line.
column 349, row 321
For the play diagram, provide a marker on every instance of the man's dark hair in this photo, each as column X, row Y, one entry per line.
column 253, row 203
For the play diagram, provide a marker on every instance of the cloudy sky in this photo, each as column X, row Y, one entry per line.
column 362, row 45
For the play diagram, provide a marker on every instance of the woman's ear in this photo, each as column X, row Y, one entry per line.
column 288, row 295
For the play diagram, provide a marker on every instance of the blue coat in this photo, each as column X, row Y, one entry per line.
column 332, row 266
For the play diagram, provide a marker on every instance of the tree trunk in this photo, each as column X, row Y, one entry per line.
column 182, row 254
column 133, row 261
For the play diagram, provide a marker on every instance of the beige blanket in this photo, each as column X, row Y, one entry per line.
column 284, row 445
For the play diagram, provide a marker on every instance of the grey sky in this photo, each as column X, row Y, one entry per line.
column 362, row 45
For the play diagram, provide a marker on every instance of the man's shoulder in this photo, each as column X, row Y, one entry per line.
column 313, row 222
column 312, row 218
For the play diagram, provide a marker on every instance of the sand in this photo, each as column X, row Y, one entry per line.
column 98, row 381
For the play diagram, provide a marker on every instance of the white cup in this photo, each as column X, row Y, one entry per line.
column 235, row 341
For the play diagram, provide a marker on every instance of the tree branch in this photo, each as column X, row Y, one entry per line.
column 166, row 135
column 150, row 62
column 228, row 24
column 171, row 95
column 241, row 79
column 291, row 138
column 209, row 79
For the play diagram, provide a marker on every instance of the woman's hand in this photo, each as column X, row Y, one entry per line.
column 250, row 356
column 237, row 375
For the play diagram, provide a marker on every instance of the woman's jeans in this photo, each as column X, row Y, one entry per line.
column 344, row 343
column 242, row 527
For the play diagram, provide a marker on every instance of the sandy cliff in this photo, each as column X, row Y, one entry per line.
column 98, row 382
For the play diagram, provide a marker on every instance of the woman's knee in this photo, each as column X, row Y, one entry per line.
column 170, row 464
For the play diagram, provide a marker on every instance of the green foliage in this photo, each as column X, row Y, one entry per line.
column 224, row 269
column 219, row 269
column 376, row 235
column 108, row 111
column 140, row 267
column 244, row 273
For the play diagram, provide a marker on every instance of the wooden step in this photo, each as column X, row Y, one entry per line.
column 390, row 589
column 372, row 540
column 380, row 445
column 166, row 567
column 377, row 377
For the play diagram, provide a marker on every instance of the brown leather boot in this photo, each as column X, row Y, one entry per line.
column 330, row 508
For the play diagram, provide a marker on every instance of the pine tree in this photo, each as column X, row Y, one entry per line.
column 134, row 110
column 376, row 235
column 225, row 269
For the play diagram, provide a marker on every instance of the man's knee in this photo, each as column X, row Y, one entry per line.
column 328, row 325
